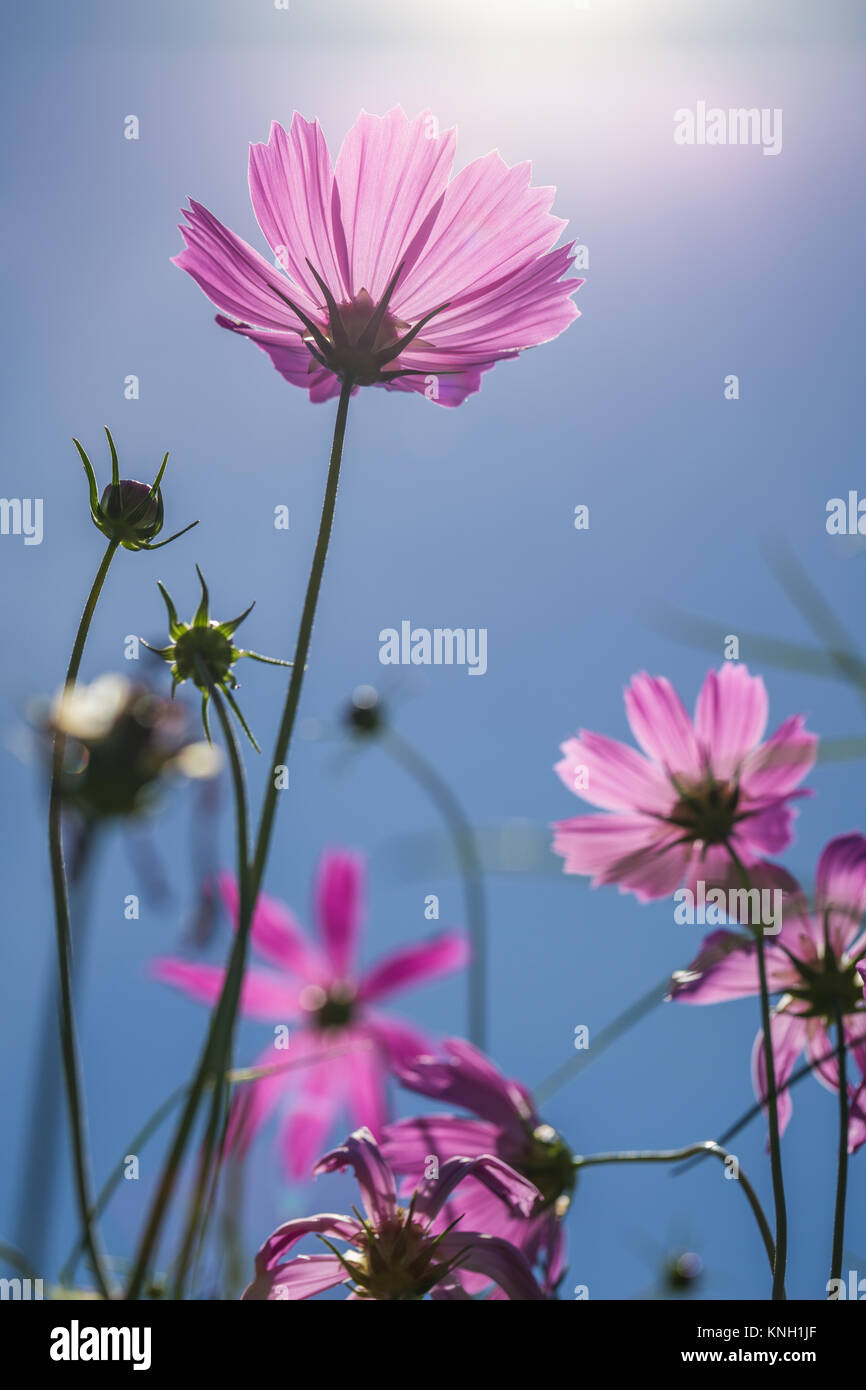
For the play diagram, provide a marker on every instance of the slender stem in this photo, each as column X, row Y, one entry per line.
column 222, row 1018
column 608, row 1035
column 218, row 1041
column 223, row 1062
column 772, row 1097
column 842, row 1170
column 466, row 847
column 708, row 1146
column 68, row 1038
column 302, row 646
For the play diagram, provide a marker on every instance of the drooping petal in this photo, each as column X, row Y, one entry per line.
column 292, row 360
column 367, row 1072
column 300, row 1278
column 392, row 174
column 469, row 1080
column 412, row 965
column 613, row 776
column 281, row 1241
column 502, row 1263
column 276, row 934
column 776, row 767
column 408, row 1145
column 788, row 1033
column 298, row 207
column 361, row 1153
column 661, row 725
column 730, row 717
column 263, row 995
column 340, row 893
column 518, row 1193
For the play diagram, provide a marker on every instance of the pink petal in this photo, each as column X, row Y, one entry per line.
column 340, row 892
column 499, row 1261
column 440, row 955
column 361, row 1153
column 255, row 1101
column 298, row 207
column 730, row 717
column 302, row 1277
column 841, row 884
column 322, row 1095
column 367, row 1074
column 235, row 277
column 392, row 174
column 400, row 1042
column 263, row 995
column 767, row 830
column 276, row 934
column 617, row 777
column 776, row 767
column 281, row 1241
column 491, row 225
column 469, row 1080
column 292, row 360
column 632, row 851
column 409, row 1144
column 661, row 725
column 788, row 1032
column 518, row 1193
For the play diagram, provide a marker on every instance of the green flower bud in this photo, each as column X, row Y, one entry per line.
column 202, row 651
column 129, row 513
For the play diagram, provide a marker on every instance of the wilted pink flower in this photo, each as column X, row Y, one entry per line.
column 815, row 964
column 507, row 1125
column 698, row 785
column 346, row 1046
column 394, row 1253
column 386, row 267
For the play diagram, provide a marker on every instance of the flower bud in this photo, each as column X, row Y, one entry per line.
column 131, row 511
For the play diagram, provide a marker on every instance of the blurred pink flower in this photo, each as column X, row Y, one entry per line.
column 507, row 1125
column 317, row 987
column 394, row 1253
column 385, row 266
column 815, row 964
column 698, row 784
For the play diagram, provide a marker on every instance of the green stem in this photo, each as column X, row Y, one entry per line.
column 842, row 1169
column 222, row 1063
column 218, row 1041
column 68, row 1038
column 708, row 1146
column 465, row 845
column 772, row 1097
column 302, row 646
column 222, row 1018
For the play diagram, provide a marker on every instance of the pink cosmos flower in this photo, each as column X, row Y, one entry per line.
column 504, row 1122
column 386, row 267
column 346, row 1046
column 815, row 963
column 698, row 784
column 394, row 1253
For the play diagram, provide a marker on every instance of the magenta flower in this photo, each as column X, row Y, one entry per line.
column 507, row 1125
column 698, row 785
column 345, row 1044
column 394, row 1253
column 815, row 964
column 386, row 268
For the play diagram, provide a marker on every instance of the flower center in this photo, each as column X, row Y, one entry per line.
column 549, row 1163
column 333, row 1008
column 396, row 1261
column 706, row 811
column 830, row 987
